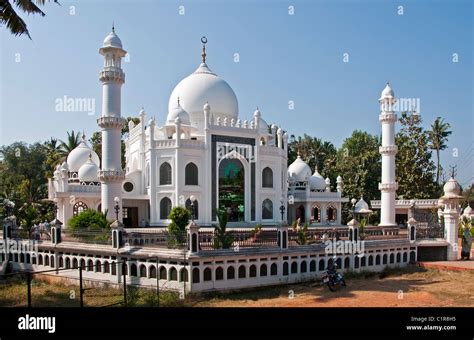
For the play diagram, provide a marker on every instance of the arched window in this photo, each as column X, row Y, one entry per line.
column 190, row 208
column 316, row 213
column 321, row 265
column 196, row 275
column 165, row 208
column 331, row 214
column 173, row 274
column 183, row 275
column 98, row 266
column 152, row 271
column 230, row 273
column 312, row 266
column 142, row 270
column 347, row 263
column 207, row 274
column 267, row 178
column 219, row 274
column 165, row 174
column 263, row 270
column 273, row 269
column 267, row 210
column 106, row 267
column 79, row 207
column 285, row 268
column 294, row 267
column 133, row 269
column 253, row 271
column 303, row 267
column 163, row 273
column 191, row 174
column 377, row 260
column 242, row 272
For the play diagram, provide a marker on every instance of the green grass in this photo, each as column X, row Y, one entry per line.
column 13, row 293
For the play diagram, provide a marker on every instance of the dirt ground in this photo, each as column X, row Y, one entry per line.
column 413, row 287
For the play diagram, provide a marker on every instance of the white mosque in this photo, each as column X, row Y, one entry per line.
column 204, row 157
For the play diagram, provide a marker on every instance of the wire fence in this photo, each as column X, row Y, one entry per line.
column 73, row 287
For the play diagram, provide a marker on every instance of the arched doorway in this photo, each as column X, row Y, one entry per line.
column 232, row 189
column 300, row 214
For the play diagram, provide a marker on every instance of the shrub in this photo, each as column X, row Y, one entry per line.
column 179, row 217
column 89, row 220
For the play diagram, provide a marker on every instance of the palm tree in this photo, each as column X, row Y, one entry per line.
column 73, row 140
column 53, row 152
column 438, row 136
column 222, row 238
column 12, row 20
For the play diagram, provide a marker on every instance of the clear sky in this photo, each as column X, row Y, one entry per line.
column 282, row 58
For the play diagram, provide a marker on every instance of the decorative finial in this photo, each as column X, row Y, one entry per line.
column 453, row 170
column 113, row 27
column 203, row 54
column 178, row 100
column 83, row 135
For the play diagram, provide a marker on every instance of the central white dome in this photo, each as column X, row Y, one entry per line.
column 201, row 87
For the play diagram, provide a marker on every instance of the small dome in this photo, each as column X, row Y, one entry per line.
column 387, row 93
column 317, row 182
column 339, row 179
column 112, row 40
column 88, row 171
column 361, row 207
column 80, row 155
column 299, row 170
column 206, row 107
column 468, row 211
column 451, row 189
column 178, row 112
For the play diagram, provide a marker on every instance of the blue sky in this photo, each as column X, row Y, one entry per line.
column 283, row 58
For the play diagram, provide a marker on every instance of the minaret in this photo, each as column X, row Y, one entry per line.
column 388, row 150
column 111, row 122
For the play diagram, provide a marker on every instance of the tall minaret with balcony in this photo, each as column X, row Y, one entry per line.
column 388, row 150
column 111, row 122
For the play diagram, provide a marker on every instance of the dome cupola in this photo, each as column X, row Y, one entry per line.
column 316, row 181
column 299, row 171
column 201, row 87
column 79, row 155
column 88, row 172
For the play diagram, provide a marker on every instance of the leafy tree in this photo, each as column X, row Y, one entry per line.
column 314, row 151
column 22, row 178
column 10, row 18
column 179, row 217
column 438, row 136
column 222, row 238
column 358, row 162
column 414, row 167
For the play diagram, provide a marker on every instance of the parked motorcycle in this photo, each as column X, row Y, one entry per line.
column 332, row 278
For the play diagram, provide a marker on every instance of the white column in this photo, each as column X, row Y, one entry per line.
column 112, row 77
column 388, row 150
column 153, row 174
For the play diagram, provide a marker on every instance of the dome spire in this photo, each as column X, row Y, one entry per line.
column 203, row 54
